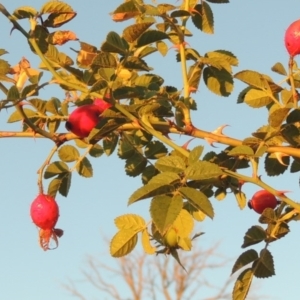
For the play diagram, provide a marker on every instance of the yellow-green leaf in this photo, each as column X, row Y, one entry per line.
column 84, row 168
column 130, row 221
column 148, row 248
column 242, row 285
column 244, row 259
column 184, row 224
column 123, row 242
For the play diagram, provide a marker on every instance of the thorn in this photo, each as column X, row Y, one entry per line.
column 279, row 156
column 218, row 132
column 184, row 146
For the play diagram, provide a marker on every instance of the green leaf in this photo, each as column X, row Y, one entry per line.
column 174, row 253
column 155, row 150
column 170, row 164
column 242, row 285
column 198, row 200
column 68, row 153
column 125, row 149
column 253, row 236
column 240, row 198
column 13, row 93
column 241, row 150
column 244, row 259
column 279, row 68
column 133, row 32
column 273, row 166
column 218, row 81
column 115, row 44
column 96, row 151
column 159, row 185
column 110, row 143
column 295, row 166
column 25, row 12
column 254, row 79
column 16, row 115
column 148, row 248
column 123, row 242
column 53, row 105
column 136, row 63
column 294, row 116
column 130, row 221
column 277, row 116
column 203, row 18
column 149, row 172
column 257, row 98
column 84, row 168
column 135, row 164
column 4, row 67
column 202, row 170
column 55, row 168
column 55, row 7
column 184, row 224
column 264, row 267
column 151, row 36
column 164, row 210
column 195, row 154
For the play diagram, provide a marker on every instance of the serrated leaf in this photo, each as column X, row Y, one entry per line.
column 133, row 32
column 68, row 153
column 155, row 150
column 254, row 235
column 58, row 19
column 115, row 44
column 135, row 164
column 151, row 36
column 295, row 166
column 254, row 79
column 257, row 98
column 202, row 170
column 218, row 81
column 110, row 143
column 195, row 154
column 277, row 116
column 148, row 173
column 183, row 224
column 4, row 67
column 53, row 105
column 13, row 93
column 96, row 151
column 164, row 210
column 264, row 267
column 148, row 248
column 170, row 164
column 203, row 18
column 123, row 242
column 273, row 167
column 268, row 216
column 16, row 115
column 159, row 185
column 84, row 168
column 241, row 150
column 55, row 168
column 198, row 200
column 244, row 259
column 125, row 149
column 125, row 11
column 242, row 285
column 130, row 221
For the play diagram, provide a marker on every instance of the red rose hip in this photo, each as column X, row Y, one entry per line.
column 84, row 118
column 262, row 200
column 44, row 211
column 292, row 38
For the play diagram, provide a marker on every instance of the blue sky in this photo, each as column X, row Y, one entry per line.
column 254, row 32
